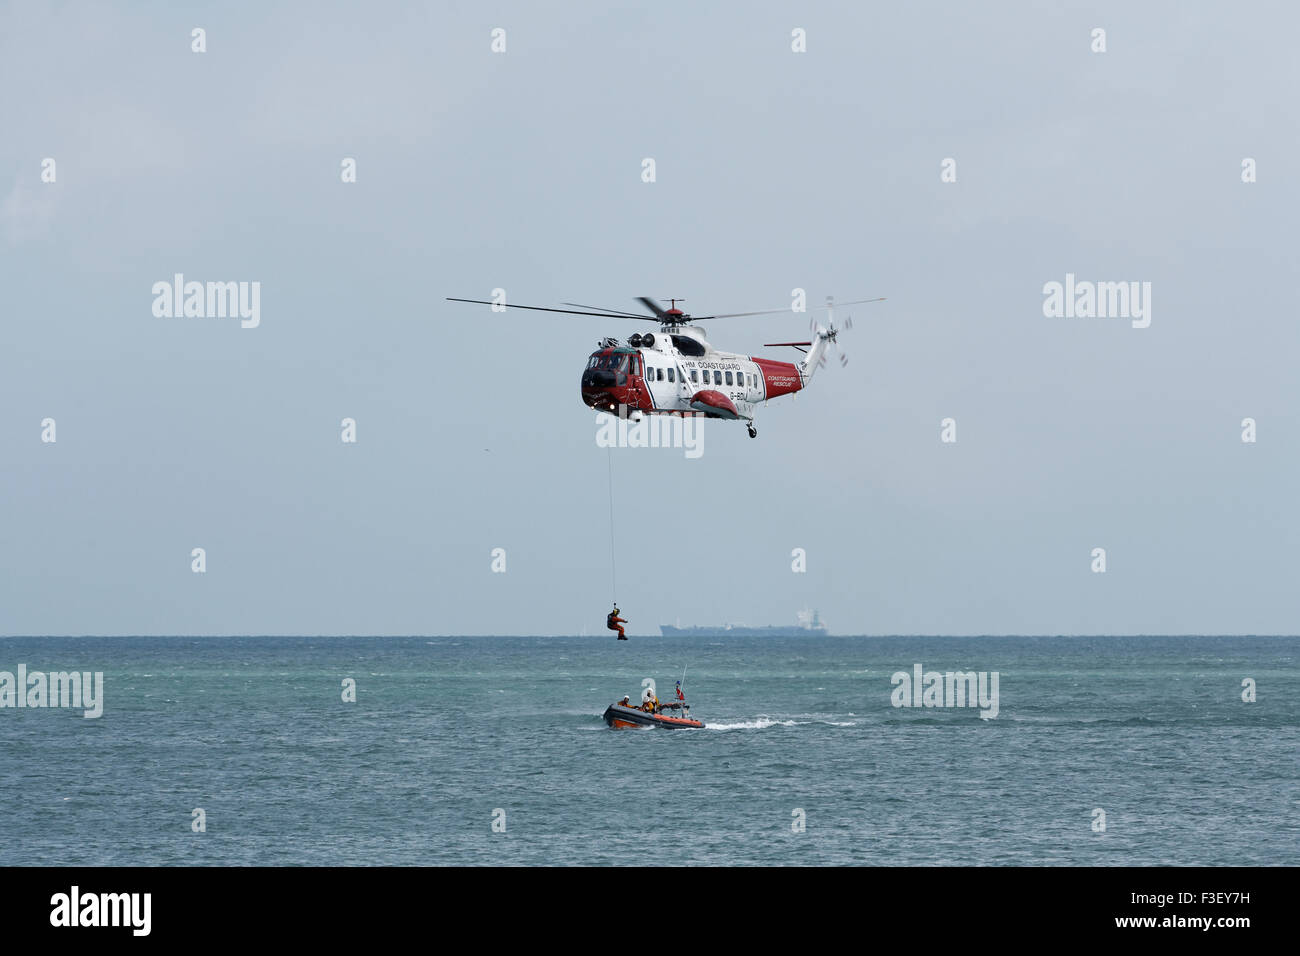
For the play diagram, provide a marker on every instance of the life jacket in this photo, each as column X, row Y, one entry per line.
column 609, row 621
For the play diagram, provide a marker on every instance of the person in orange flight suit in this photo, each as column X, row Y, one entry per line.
column 615, row 623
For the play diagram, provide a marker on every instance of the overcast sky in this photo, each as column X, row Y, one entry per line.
column 522, row 170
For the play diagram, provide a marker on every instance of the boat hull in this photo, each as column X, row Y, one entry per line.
column 616, row 715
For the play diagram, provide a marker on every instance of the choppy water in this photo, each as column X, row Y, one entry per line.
column 446, row 730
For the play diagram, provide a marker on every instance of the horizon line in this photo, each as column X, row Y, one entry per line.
column 602, row 636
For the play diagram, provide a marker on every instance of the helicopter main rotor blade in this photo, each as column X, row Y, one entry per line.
column 739, row 315
column 630, row 315
column 542, row 308
column 652, row 305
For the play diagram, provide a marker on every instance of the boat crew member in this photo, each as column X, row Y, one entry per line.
column 615, row 623
column 680, row 695
column 626, row 701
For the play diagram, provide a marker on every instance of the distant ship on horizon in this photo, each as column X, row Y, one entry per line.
column 809, row 625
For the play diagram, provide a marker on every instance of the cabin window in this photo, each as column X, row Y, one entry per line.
column 693, row 376
column 728, row 378
column 670, row 376
column 717, row 377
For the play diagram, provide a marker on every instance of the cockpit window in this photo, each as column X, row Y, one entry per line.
column 612, row 363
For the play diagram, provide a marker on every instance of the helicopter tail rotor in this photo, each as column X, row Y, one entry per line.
column 826, row 341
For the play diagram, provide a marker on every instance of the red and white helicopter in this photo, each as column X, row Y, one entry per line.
column 678, row 372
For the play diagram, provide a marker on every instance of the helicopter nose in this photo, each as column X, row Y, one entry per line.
column 596, row 386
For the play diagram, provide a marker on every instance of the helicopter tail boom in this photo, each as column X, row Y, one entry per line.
column 822, row 340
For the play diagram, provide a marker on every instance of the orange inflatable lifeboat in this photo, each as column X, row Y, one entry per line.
column 622, row 715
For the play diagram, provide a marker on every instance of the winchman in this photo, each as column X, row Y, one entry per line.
column 615, row 623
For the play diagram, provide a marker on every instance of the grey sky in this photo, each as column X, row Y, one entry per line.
column 521, row 170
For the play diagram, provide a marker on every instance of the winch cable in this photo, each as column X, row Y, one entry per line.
column 613, row 561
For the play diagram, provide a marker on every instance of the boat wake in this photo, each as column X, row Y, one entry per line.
column 762, row 723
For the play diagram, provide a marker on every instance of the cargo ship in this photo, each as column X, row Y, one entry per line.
column 809, row 625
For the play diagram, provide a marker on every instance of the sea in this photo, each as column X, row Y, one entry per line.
column 492, row 751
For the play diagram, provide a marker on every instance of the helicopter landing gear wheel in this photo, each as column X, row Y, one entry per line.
column 753, row 432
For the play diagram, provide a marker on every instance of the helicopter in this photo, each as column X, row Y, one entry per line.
column 677, row 372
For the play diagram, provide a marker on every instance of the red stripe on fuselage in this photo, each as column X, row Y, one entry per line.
column 779, row 378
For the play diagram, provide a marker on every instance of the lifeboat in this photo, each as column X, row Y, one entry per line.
column 619, row 715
